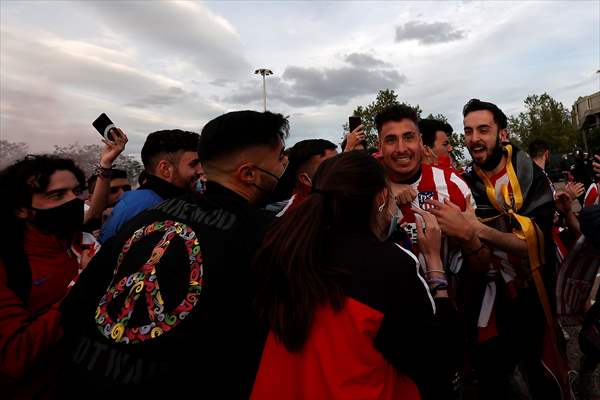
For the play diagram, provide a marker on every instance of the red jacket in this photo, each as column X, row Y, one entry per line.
column 30, row 332
column 338, row 362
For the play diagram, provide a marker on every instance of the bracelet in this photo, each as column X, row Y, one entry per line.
column 441, row 286
column 474, row 252
column 434, row 282
column 435, row 270
column 103, row 172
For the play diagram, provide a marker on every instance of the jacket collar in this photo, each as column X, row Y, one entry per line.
column 162, row 188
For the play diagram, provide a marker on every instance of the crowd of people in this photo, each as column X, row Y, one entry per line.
column 239, row 268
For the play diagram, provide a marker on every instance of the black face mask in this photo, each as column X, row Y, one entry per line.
column 63, row 220
column 494, row 159
column 277, row 179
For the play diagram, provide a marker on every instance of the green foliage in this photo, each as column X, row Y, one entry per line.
column 384, row 99
column 87, row 156
column 11, row 152
column 544, row 118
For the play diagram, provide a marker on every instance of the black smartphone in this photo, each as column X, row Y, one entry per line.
column 353, row 122
column 105, row 127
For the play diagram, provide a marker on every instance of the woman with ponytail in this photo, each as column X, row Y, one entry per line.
column 349, row 315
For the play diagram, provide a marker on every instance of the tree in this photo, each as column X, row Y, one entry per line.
column 11, row 152
column 87, row 156
column 384, row 99
column 544, row 118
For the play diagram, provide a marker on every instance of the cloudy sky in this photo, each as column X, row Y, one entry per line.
column 154, row 65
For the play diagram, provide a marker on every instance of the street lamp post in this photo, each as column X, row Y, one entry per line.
column 264, row 72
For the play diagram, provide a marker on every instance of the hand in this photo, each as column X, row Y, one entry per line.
column 85, row 259
column 106, row 213
column 574, row 190
column 112, row 150
column 470, row 215
column 429, row 234
column 563, row 202
column 404, row 194
column 596, row 165
column 354, row 138
column 452, row 220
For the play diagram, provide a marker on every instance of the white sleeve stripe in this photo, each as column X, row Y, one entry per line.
column 464, row 188
column 290, row 202
column 419, row 276
column 591, row 189
column 440, row 184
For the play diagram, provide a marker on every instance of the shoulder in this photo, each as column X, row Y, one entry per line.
column 135, row 196
column 449, row 184
column 137, row 200
column 375, row 260
column 390, row 278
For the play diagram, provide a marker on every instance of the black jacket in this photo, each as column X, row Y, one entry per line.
column 214, row 345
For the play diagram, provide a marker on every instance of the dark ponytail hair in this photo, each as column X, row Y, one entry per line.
column 292, row 277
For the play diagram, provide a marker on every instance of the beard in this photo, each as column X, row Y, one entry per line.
column 493, row 158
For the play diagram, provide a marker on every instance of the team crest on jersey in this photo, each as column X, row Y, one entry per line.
column 422, row 197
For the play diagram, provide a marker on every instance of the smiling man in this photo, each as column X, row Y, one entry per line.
column 172, row 168
column 433, row 189
column 401, row 149
column 516, row 321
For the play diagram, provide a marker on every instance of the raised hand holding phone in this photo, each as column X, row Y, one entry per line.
column 114, row 148
column 105, row 127
column 356, row 136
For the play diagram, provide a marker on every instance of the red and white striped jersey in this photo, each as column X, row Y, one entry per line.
column 592, row 196
column 437, row 184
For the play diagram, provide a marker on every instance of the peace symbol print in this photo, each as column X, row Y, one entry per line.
column 144, row 282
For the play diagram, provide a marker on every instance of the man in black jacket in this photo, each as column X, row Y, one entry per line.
column 166, row 306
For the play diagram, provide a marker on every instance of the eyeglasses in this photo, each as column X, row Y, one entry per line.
column 116, row 189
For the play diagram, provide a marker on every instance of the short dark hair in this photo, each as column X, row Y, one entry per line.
column 478, row 105
column 396, row 112
column 238, row 130
column 304, row 150
column 115, row 174
column 429, row 128
column 537, row 148
column 167, row 142
column 32, row 175
column 298, row 155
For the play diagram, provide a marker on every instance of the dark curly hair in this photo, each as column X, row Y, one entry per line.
column 18, row 183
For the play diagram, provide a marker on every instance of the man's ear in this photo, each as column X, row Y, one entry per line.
column 164, row 169
column 503, row 135
column 427, row 151
column 23, row 213
column 246, row 173
column 305, row 179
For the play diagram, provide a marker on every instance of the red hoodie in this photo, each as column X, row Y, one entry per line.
column 30, row 332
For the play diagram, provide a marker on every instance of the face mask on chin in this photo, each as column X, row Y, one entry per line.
column 277, row 178
column 62, row 221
